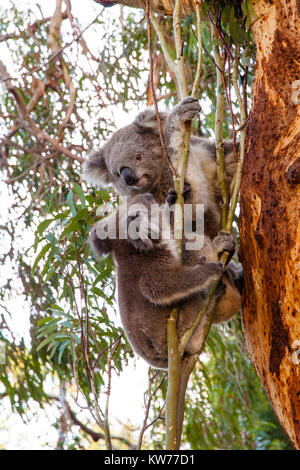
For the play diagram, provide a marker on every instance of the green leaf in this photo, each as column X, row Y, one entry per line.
column 41, row 254
column 44, row 225
column 62, row 348
column 51, row 338
column 70, row 203
column 80, row 194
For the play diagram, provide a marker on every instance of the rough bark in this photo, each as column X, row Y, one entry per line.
column 270, row 209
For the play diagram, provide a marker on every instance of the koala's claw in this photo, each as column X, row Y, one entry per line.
column 188, row 108
column 216, row 268
column 172, row 194
column 143, row 245
column 187, row 191
column 224, row 242
column 171, row 197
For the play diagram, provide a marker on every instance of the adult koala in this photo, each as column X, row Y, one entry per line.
column 150, row 278
column 133, row 162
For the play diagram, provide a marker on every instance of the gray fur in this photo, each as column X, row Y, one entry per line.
column 150, row 280
column 137, row 147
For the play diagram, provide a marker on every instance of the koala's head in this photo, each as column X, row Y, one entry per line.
column 131, row 160
column 139, row 224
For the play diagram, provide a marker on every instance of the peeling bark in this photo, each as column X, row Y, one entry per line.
column 270, row 210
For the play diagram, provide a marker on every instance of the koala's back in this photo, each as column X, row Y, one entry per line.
column 144, row 323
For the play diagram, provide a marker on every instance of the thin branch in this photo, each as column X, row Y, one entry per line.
column 28, row 123
column 174, row 357
column 161, row 135
column 163, row 43
column 96, row 436
column 31, row 27
column 198, row 8
column 237, row 185
column 179, row 64
column 106, row 422
column 219, row 33
column 56, row 53
column 147, row 405
column 228, row 224
column 221, row 170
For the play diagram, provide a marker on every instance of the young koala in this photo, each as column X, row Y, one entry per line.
column 133, row 162
column 150, row 279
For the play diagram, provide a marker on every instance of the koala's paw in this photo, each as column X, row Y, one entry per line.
column 171, row 197
column 143, row 245
column 214, row 269
column 172, row 194
column 140, row 236
column 224, row 242
column 188, row 108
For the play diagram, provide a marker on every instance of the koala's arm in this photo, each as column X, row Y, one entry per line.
column 175, row 125
column 166, row 283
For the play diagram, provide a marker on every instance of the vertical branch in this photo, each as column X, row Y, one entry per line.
column 221, row 171
column 174, row 357
column 174, row 374
column 106, row 422
column 150, row 395
column 161, row 135
column 229, row 219
column 243, row 112
column 178, row 370
column 179, row 64
column 198, row 8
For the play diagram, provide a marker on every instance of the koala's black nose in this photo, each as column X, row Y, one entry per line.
column 128, row 176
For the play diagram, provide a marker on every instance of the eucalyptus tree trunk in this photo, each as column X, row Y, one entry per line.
column 270, row 210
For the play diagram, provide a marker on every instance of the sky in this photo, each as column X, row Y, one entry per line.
column 126, row 401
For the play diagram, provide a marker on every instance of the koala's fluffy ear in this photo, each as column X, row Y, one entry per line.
column 95, row 170
column 146, row 121
column 100, row 247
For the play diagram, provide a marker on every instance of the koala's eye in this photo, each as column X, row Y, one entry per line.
column 138, row 157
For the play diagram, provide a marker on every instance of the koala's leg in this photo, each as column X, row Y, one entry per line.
column 230, row 302
column 175, row 126
column 166, row 283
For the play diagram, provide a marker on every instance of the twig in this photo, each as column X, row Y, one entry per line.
column 161, row 135
column 217, row 30
column 96, row 436
column 198, row 8
column 150, row 396
column 221, row 170
column 163, row 43
column 28, row 123
column 57, row 52
column 106, row 422
column 179, row 64
column 240, row 162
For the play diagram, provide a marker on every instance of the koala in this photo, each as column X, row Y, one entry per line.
column 133, row 162
column 150, row 278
